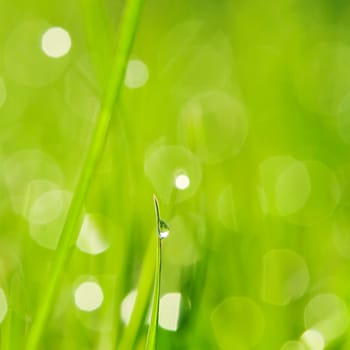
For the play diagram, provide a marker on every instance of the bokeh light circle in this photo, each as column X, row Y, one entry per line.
column 56, row 42
column 322, row 77
column 3, row 91
column 182, row 248
column 293, row 188
column 28, row 174
column 213, row 125
column 164, row 163
column 88, row 296
column 226, row 209
column 48, row 215
column 285, row 276
column 341, row 232
column 136, row 74
column 169, row 311
column 182, row 181
column 328, row 315
column 238, row 323
column 302, row 192
column 3, row 305
column 24, row 60
column 127, row 306
column 313, row 339
column 94, row 236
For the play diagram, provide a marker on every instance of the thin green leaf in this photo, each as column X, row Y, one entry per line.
column 163, row 231
column 72, row 225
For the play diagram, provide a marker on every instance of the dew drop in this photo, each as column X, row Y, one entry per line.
column 163, row 229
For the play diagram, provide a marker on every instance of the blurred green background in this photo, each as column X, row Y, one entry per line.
column 236, row 114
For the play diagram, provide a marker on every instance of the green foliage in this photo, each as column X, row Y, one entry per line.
column 235, row 114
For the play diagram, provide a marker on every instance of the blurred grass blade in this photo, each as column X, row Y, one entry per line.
column 99, row 36
column 153, row 327
column 71, row 228
column 144, row 292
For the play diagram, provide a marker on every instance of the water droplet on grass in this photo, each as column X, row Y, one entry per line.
column 163, row 230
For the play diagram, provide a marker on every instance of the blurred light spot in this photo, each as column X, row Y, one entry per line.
column 195, row 57
column 47, row 217
column 238, row 323
column 136, row 74
column 56, row 42
column 322, row 77
column 285, row 277
column 313, row 340
column 169, row 311
column 343, row 120
column 3, row 305
column 81, row 94
column 127, row 306
column 226, row 209
column 304, row 193
column 328, row 315
column 325, row 195
column 88, row 296
column 63, row 302
column 34, row 191
column 92, row 239
column 214, row 126
column 341, row 233
column 293, row 345
column 269, row 171
column 28, row 174
column 46, row 208
column 163, row 162
column 293, row 188
column 3, row 92
column 182, row 181
column 182, row 247
column 264, row 203
column 24, row 60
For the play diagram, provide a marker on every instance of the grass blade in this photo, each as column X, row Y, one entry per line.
column 153, row 327
column 163, row 231
column 144, row 293
column 72, row 224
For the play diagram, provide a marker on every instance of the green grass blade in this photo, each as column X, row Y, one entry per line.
column 98, row 31
column 144, row 293
column 162, row 232
column 72, row 224
column 153, row 327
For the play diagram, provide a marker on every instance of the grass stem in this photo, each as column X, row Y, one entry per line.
column 153, row 327
column 71, row 228
column 163, row 231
